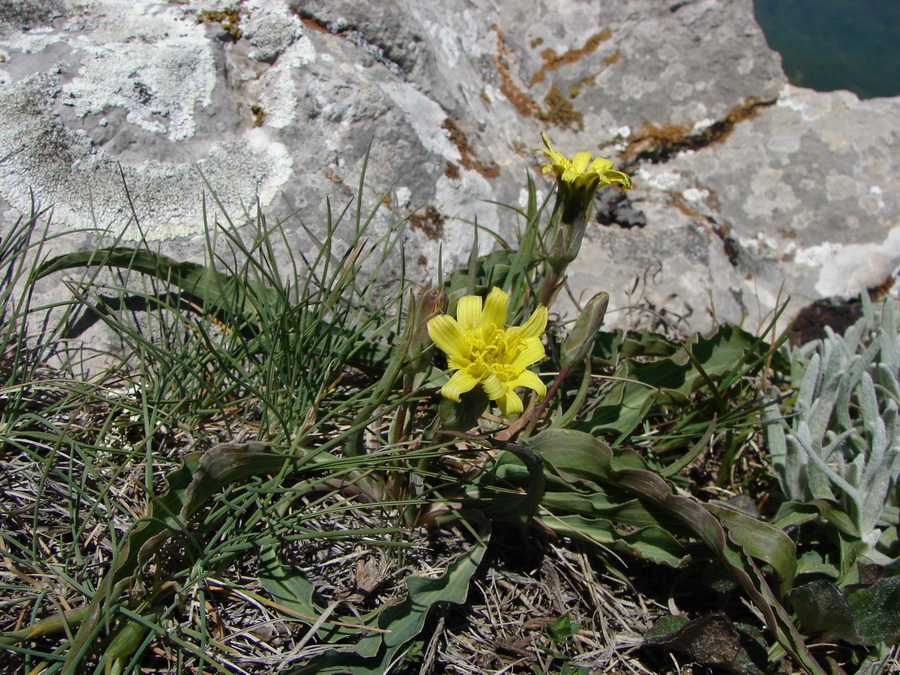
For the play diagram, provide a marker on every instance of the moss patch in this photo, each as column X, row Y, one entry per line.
column 560, row 111
column 229, row 17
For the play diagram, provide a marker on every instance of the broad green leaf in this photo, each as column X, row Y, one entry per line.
column 650, row 543
column 404, row 621
column 760, row 540
column 711, row 639
column 693, row 516
column 821, row 608
column 668, row 380
column 877, row 611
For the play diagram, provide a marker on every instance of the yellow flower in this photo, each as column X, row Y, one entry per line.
column 582, row 172
column 482, row 351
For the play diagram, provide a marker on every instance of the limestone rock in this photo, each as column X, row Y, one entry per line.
column 280, row 100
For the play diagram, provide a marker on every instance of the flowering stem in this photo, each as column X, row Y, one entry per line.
column 531, row 416
column 549, row 285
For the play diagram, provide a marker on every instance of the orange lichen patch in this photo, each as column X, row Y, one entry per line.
column 229, row 17
column 613, row 58
column 467, row 154
column 538, row 41
column 431, row 223
column 881, row 290
column 554, row 61
column 521, row 101
column 560, row 111
column 452, row 171
column 658, row 142
column 315, row 25
column 655, row 138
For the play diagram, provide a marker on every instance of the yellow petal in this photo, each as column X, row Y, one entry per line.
column 493, row 387
column 600, row 165
column 446, row 333
column 535, row 325
column 468, row 311
column 569, row 175
column 495, row 308
column 510, row 404
column 459, row 384
column 547, row 143
column 530, row 380
column 622, row 179
column 458, row 362
column 580, row 161
column 532, row 352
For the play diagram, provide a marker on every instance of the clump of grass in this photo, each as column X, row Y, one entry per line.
column 267, row 476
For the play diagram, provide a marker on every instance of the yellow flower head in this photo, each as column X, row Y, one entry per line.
column 482, row 351
column 582, row 172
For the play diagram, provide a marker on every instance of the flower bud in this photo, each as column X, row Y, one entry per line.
column 578, row 180
column 431, row 303
column 581, row 339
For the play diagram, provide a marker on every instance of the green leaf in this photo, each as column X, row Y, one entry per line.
column 760, row 540
column 403, row 622
column 562, row 629
column 711, row 639
column 188, row 488
column 241, row 303
column 877, row 611
column 667, row 374
column 286, row 586
column 554, row 443
column 822, row 608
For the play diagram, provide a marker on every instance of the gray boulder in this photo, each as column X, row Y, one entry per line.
column 746, row 190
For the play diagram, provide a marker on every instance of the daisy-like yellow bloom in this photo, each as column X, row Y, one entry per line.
column 482, row 351
column 582, row 172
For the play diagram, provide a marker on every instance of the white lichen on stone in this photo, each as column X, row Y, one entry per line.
column 846, row 269
column 158, row 84
column 695, row 194
column 769, row 193
column 425, row 116
column 271, row 29
column 145, row 57
column 278, row 88
column 59, row 167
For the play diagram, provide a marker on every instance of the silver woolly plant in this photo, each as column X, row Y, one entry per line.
column 843, row 441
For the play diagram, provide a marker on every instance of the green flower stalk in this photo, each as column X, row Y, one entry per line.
column 482, row 351
column 577, row 181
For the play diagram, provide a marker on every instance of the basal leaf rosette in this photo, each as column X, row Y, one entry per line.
column 483, row 352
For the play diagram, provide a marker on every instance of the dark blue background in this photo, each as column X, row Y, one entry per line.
column 836, row 44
